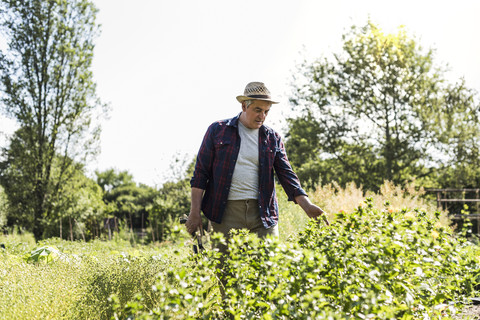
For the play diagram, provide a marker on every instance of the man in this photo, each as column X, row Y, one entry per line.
column 233, row 182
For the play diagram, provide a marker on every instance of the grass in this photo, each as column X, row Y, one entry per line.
column 78, row 284
column 334, row 199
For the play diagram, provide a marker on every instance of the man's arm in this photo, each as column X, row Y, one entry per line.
column 312, row 210
column 195, row 217
column 291, row 185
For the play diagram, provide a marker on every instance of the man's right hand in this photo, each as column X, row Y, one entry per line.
column 193, row 222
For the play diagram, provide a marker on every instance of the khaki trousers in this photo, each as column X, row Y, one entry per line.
column 242, row 214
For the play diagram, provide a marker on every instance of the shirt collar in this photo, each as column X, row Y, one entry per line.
column 233, row 122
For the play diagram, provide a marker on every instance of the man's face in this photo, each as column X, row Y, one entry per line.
column 254, row 116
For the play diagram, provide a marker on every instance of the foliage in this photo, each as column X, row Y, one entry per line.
column 457, row 125
column 380, row 110
column 125, row 200
column 172, row 201
column 46, row 254
column 378, row 259
column 79, row 205
column 153, row 210
column 368, row 264
column 46, row 86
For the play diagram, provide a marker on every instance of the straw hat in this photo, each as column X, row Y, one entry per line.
column 256, row 91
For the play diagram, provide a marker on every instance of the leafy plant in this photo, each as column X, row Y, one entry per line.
column 369, row 263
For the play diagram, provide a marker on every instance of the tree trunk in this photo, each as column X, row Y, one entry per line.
column 37, row 214
column 388, row 152
column 81, row 231
column 131, row 223
column 153, row 231
column 97, row 230
column 71, row 228
column 161, row 232
column 109, row 229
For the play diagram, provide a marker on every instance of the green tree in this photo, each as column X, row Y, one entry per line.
column 46, row 86
column 372, row 112
column 172, row 200
column 79, row 207
column 458, row 127
column 126, row 200
column 111, row 179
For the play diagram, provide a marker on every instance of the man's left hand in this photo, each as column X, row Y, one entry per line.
column 312, row 210
column 315, row 212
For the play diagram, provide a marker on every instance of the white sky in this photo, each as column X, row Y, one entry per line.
column 170, row 68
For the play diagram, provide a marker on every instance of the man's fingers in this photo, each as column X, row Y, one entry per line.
column 326, row 221
column 190, row 226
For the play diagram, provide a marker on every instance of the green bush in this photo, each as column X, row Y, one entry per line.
column 368, row 264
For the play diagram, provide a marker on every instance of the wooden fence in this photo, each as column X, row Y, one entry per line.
column 442, row 198
column 443, row 202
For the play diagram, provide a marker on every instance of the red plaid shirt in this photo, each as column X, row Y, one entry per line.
column 216, row 161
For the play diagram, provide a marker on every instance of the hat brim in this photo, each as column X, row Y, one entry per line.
column 245, row 98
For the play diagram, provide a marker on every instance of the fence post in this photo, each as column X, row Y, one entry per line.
column 438, row 199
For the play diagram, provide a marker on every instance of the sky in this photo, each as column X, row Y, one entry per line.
column 168, row 69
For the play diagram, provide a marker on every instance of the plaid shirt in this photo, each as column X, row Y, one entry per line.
column 216, row 161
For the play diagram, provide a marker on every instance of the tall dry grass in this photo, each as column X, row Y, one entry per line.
column 334, row 199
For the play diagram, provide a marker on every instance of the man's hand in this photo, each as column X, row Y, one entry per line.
column 315, row 212
column 312, row 210
column 193, row 222
column 195, row 217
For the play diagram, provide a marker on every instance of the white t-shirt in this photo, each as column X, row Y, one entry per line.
column 245, row 175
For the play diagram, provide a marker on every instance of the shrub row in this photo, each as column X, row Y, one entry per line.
column 368, row 264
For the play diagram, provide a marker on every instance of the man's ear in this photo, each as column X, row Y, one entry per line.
column 244, row 108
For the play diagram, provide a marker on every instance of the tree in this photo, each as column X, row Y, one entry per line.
column 458, row 129
column 127, row 201
column 172, row 200
column 46, row 86
column 373, row 113
column 79, row 206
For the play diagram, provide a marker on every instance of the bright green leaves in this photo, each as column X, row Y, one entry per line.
column 46, row 254
column 403, row 258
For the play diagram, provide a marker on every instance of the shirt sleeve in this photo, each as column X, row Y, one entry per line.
column 204, row 163
column 286, row 176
